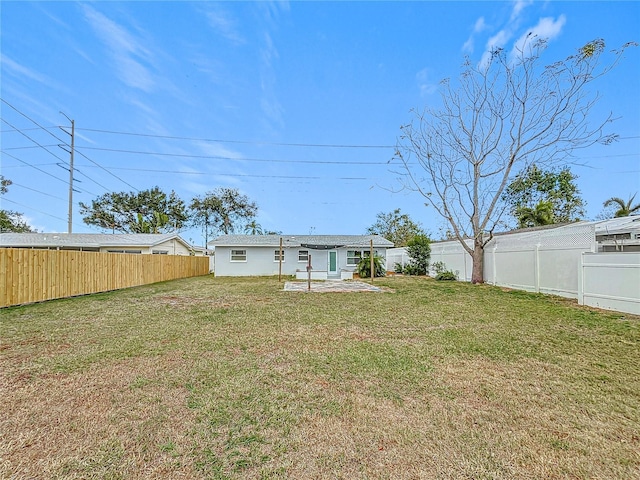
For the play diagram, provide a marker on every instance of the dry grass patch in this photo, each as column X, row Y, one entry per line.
column 123, row 420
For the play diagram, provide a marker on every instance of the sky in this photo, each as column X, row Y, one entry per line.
column 297, row 105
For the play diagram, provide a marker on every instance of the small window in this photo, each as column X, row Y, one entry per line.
column 276, row 256
column 353, row 257
column 303, row 256
column 238, row 255
column 133, row 251
column 115, row 251
column 160, row 252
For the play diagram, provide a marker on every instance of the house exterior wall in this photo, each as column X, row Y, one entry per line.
column 169, row 244
column 261, row 261
column 172, row 247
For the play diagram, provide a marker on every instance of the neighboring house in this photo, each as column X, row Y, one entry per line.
column 137, row 243
column 619, row 234
column 332, row 256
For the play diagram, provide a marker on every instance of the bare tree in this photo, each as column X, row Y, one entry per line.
column 504, row 116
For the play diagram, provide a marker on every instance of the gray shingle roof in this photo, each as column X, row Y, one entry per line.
column 299, row 240
column 94, row 240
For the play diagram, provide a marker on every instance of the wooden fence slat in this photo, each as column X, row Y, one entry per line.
column 28, row 276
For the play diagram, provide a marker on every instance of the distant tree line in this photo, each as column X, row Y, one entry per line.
column 222, row 210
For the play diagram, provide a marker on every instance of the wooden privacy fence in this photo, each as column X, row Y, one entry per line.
column 28, row 276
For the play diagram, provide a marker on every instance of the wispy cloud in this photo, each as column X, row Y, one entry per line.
column 270, row 105
column 478, row 27
column 518, row 6
column 214, row 149
column 425, row 83
column 547, row 28
column 128, row 54
column 223, row 23
column 18, row 70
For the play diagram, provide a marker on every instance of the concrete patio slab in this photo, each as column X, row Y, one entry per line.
column 331, row 286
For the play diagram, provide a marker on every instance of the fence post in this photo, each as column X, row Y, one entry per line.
column 581, row 280
column 536, row 267
column 495, row 266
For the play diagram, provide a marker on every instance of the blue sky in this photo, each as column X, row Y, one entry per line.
column 298, row 105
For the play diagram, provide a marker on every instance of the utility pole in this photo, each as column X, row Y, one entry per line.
column 69, row 225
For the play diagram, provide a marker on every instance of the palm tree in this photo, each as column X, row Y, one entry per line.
column 253, row 228
column 541, row 214
column 626, row 208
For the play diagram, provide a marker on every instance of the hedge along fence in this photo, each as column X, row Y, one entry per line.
column 28, row 276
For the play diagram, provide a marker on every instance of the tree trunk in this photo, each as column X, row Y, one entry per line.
column 477, row 272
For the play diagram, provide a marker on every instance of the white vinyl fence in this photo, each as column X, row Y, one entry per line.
column 396, row 256
column 540, row 261
column 611, row 281
column 560, row 261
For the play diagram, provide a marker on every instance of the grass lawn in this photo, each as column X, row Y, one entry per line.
column 235, row 378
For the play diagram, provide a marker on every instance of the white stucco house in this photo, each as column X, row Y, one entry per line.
column 136, row 243
column 332, row 256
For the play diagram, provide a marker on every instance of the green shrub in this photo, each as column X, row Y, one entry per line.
column 442, row 273
column 364, row 267
column 419, row 251
column 412, row 269
column 447, row 275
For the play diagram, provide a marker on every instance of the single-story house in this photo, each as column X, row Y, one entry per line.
column 332, row 256
column 618, row 234
column 137, row 243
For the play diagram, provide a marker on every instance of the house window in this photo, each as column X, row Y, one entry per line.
column 160, row 252
column 354, row 256
column 125, row 251
column 303, row 256
column 238, row 255
column 276, row 256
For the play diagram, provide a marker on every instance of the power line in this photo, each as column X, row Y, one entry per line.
column 29, row 129
column 185, row 155
column 244, row 142
column 27, row 136
column 236, row 174
column 244, row 159
column 27, row 147
column 32, row 120
column 53, row 176
column 64, row 143
column 13, row 184
column 33, row 209
column 43, row 171
column 110, row 173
